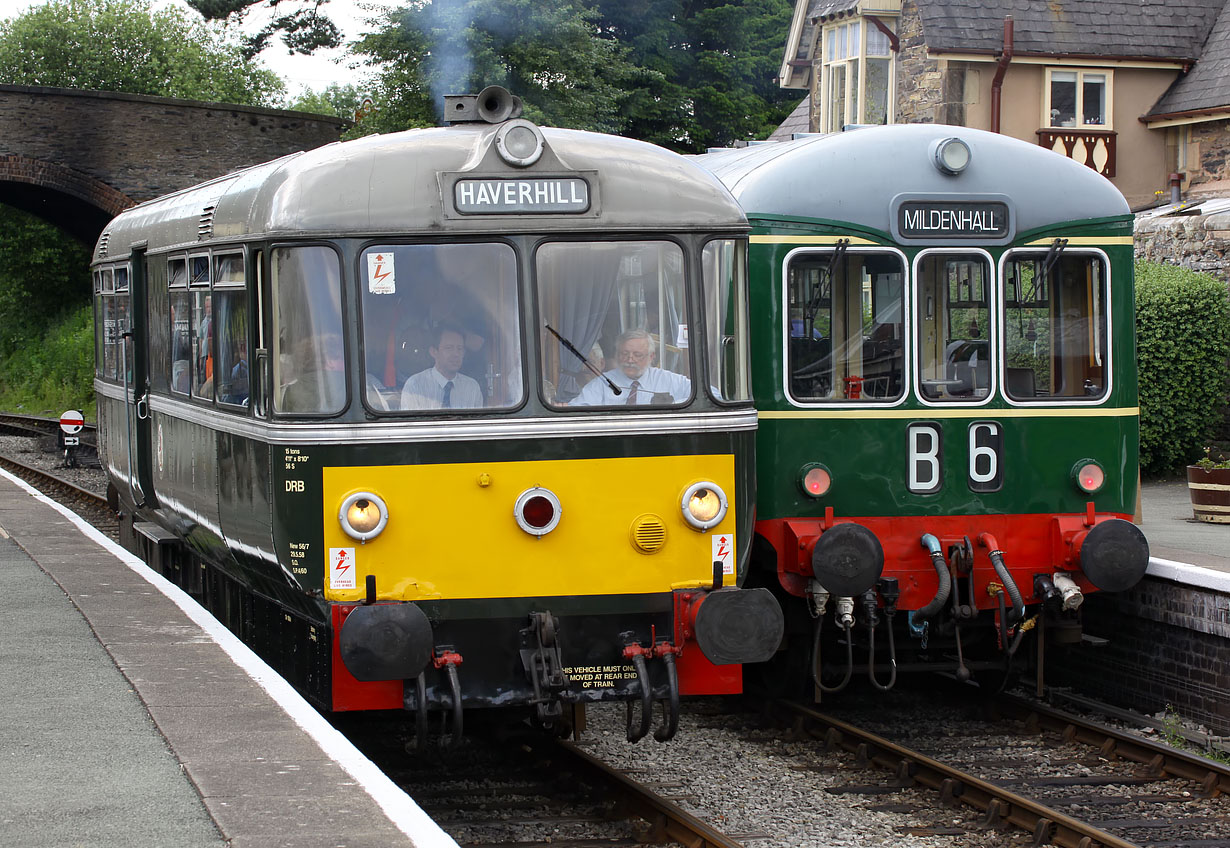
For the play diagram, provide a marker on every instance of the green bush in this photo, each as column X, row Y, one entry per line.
column 1182, row 339
column 55, row 372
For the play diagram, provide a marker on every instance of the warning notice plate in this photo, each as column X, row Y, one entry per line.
column 724, row 551
column 341, row 568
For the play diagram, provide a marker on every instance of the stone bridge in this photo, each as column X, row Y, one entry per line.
column 78, row 158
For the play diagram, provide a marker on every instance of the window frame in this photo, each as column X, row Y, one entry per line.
column 1000, row 316
column 993, row 287
column 1079, row 125
column 907, row 318
column 855, row 94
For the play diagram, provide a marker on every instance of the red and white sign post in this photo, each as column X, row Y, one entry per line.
column 71, row 423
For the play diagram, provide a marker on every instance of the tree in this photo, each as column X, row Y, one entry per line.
column 118, row 45
column 707, row 68
column 550, row 54
column 42, row 275
column 304, row 26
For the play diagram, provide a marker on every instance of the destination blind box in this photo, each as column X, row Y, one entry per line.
column 988, row 221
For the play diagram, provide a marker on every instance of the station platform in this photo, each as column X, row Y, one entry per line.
column 1190, row 552
column 133, row 718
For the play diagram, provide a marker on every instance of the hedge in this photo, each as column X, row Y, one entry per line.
column 1182, row 341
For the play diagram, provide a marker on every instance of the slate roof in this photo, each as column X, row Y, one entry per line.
column 1207, row 85
column 796, row 122
column 1147, row 29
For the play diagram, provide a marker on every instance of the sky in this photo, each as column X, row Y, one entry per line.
column 300, row 72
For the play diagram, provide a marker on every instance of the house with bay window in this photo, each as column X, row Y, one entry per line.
column 1135, row 90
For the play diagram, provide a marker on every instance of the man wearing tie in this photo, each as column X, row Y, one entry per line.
column 443, row 386
column 638, row 381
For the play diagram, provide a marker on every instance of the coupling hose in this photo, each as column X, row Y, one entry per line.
column 936, row 604
column 997, row 560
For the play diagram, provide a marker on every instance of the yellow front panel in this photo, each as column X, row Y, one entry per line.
column 451, row 536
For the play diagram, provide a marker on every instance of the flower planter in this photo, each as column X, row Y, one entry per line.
column 1210, row 491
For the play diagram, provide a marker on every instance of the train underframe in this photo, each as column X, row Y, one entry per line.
column 542, row 657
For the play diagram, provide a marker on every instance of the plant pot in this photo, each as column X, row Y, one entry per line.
column 1210, row 491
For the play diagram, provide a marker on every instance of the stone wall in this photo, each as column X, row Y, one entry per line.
column 1211, row 143
column 1167, row 647
column 920, row 83
column 144, row 147
column 1199, row 242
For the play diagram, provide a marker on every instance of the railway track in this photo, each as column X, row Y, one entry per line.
column 1061, row 779
column 506, row 785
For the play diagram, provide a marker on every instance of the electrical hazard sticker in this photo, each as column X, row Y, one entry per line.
column 341, row 568
column 724, row 551
column 380, row 279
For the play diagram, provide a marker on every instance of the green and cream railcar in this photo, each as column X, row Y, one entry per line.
column 945, row 374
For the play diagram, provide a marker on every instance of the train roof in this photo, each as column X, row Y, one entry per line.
column 395, row 184
column 853, row 176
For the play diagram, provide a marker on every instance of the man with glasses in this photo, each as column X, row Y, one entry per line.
column 638, row 381
column 443, row 386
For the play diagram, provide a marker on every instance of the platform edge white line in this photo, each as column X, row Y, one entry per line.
column 401, row 809
column 1189, row 574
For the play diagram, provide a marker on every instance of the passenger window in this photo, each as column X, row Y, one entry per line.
column 232, row 368
column 202, row 346
column 954, row 326
column 111, row 326
column 614, row 324
column 844, row 338
column 1055, row 325
column 309, row 366
column 441, row 327
column 181, row 346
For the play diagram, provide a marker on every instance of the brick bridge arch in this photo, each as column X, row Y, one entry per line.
column 78, row 158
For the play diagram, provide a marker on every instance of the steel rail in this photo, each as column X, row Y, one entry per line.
column 1162, row 759
column 911, row 767
column 669, row 822
column 37, row 476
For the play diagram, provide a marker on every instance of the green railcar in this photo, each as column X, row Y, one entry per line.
column 944, row 368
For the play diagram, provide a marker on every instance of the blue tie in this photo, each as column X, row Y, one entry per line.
column 448, row 395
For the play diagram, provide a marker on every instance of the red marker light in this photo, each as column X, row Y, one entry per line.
column 1090, row 477
column 816, row 481
column 538, row 512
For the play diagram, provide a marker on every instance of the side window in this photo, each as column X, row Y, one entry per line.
column 309, row 364
column 1055, row 325
column 202, row 341
column 111, row 326
column 725, row 298
column 100, row 331
column 181, row 325
column 124, row 312
column 845, row 313
column 232, row 368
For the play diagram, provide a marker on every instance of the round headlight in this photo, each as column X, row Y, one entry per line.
column 519, row 143
column 1088, row 475
column 952, row 155
column 537, row 511
column 704, row 505
column 815, row 480
column 363, row 516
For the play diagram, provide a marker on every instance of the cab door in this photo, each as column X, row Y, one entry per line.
column 134, row 369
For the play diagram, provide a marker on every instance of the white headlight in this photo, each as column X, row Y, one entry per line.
column 704, row 505
column 363, row 516
column 952, row 155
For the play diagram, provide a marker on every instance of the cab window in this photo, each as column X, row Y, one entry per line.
column 614, row 324
column 953, row 315
column 1055, row 325
column 844, row 314
column 440, row 328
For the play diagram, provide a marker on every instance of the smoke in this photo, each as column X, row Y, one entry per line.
column 450, row 22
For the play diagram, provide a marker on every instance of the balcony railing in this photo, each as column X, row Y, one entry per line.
column 1095, row 148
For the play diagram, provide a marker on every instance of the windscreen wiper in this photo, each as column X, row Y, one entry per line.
column 573, row 350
